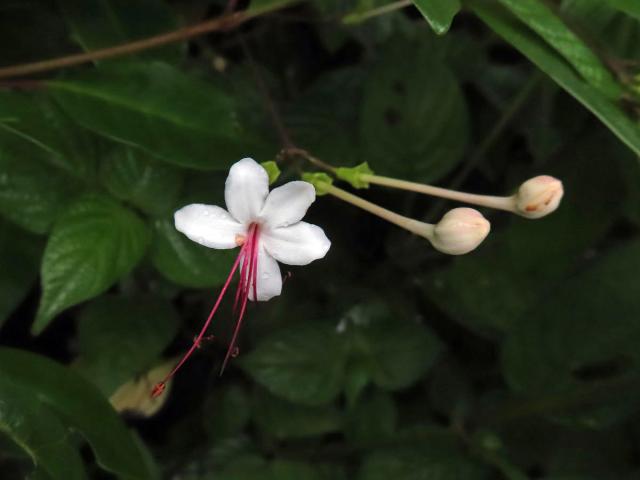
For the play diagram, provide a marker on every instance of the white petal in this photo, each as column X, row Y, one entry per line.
column 208, row 225
column 245, row 190
column 268, row 277
column 299, row 244
column 288, row 204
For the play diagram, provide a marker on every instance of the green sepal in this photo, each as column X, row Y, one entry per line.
column 319, row 180
column 353, row 175
column 272, row 170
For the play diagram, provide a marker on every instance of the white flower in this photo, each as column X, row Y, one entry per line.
column 266, row 224
column 267, row 227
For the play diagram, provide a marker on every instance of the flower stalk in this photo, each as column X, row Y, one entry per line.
column 414, row 226
column 499, row 203
column 460, row 231
column 535, row 198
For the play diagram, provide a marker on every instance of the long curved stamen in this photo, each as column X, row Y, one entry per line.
column 248, row 282
column 159, row 387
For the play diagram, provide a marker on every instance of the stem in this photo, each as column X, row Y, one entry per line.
column 295, row 151
column 224, row 22
column 358, row 17
column 495, row 134
column 500, row 203
column 21, row 84
column 270, row 104
column 414, row 226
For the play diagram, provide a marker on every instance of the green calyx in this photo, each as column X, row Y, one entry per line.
column 354, row 175
column 272, row 170
column 320, row 181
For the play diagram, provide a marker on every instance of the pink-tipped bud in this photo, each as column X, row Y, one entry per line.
column 539, row 196
column 459, row 231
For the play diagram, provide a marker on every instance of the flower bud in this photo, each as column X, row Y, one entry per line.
column 538, row 196
column 459, row 231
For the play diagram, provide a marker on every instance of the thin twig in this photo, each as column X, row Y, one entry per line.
column 358, row 17
column 270, row 104
column 224, row 22
column 300, row 152
column 21, row 84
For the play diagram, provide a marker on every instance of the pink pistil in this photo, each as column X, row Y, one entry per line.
column 247, row 261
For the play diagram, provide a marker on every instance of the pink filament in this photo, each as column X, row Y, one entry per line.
column 248, row 282
column 247, row 260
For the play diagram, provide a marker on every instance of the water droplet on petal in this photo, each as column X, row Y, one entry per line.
column 266, row 275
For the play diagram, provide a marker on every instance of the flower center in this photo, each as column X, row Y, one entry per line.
column 247, row 263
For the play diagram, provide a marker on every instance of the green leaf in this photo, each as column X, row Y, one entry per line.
column 20, row 253
column 542, row 19
column 233, row 412
column 35, row 118
column 605, row 24
column 97, row 24
column 442, row 461
column 32, row 193
column 95, row 243
column 81, row 406
column 282, row 419
column 584, row 333
column 562, row 73
column 439, row 13
column 144, row 182
column 120, row 337
column 373, row 419
column 289, row 470
column 630, row 7
column 185, row 262
column 394, row 351
column 520, row 264
column 255, row 468
column 303, row 363
column 36, row 429
column 175, row 117
column 414, row 120
column 322, row 122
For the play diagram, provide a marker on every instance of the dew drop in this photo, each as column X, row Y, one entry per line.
column 235, row 352
column 205, row 213
column 266, row 275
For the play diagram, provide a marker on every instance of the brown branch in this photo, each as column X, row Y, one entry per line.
column 299, row 152
column 21, row 84
column 224, row 22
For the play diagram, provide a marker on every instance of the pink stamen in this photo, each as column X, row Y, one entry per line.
column 244, row 270
column 159, row 388
column 247, row 282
